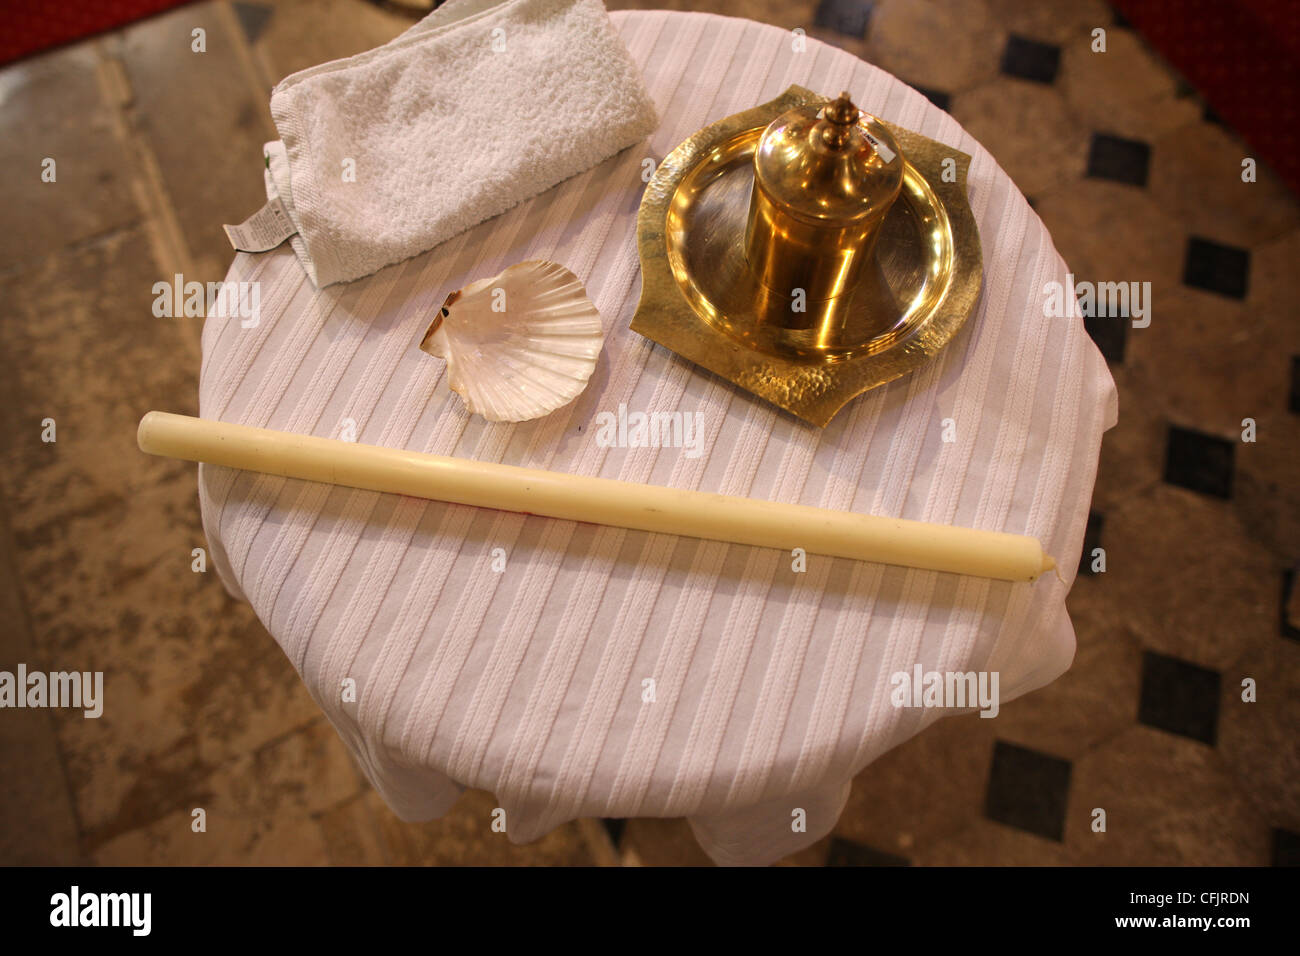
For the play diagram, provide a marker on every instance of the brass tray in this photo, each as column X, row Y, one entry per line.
column 699, row 299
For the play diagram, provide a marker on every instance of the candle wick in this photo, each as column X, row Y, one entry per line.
column 1049, row 564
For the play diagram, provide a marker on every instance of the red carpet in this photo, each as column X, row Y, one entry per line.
column 1241, row 57
column 30, row 26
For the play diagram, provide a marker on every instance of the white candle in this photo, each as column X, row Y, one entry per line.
column 696, row 514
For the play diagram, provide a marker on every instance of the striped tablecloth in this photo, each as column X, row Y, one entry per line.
column 603, row 672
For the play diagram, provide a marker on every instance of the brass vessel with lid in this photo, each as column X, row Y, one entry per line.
column 807, row 252
column 824, row 180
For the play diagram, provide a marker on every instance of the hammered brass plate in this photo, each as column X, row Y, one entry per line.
column 699, row 298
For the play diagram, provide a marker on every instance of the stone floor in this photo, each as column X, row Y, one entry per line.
column 1199, row 529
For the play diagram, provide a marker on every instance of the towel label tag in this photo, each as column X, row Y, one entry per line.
column 263, row 230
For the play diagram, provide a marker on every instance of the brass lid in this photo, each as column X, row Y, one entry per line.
column 831, row 165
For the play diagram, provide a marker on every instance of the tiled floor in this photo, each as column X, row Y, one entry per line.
column 1178, row 720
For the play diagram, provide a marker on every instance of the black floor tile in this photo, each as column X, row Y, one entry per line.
column 1091, row 540
column 937, row 97
column 1199, row 462
column 614, row 828
column 253, row 18
column 1030, row 59
column 1289, row 614
column 1118, row 159
column 1286, row 848
column 847, row 853
column 1028, row 790
column 1217, row 268
column 1179, row 697
column 1110, row 333
column 844, row 16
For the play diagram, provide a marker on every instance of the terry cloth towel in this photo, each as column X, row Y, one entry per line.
column 479, row 106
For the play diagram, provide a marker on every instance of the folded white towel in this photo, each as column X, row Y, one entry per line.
column 480, row 105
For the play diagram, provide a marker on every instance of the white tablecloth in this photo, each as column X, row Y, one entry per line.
column 770, row 688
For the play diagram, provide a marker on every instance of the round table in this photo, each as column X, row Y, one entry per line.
column 576, row 670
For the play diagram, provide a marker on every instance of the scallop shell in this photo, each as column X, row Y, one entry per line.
column 530, row 357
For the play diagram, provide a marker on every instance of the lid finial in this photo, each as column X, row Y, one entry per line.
column 840, row 117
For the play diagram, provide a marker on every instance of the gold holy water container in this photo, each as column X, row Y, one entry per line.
column 824, row 179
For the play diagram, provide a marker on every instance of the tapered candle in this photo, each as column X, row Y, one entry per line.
column 696, row 514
